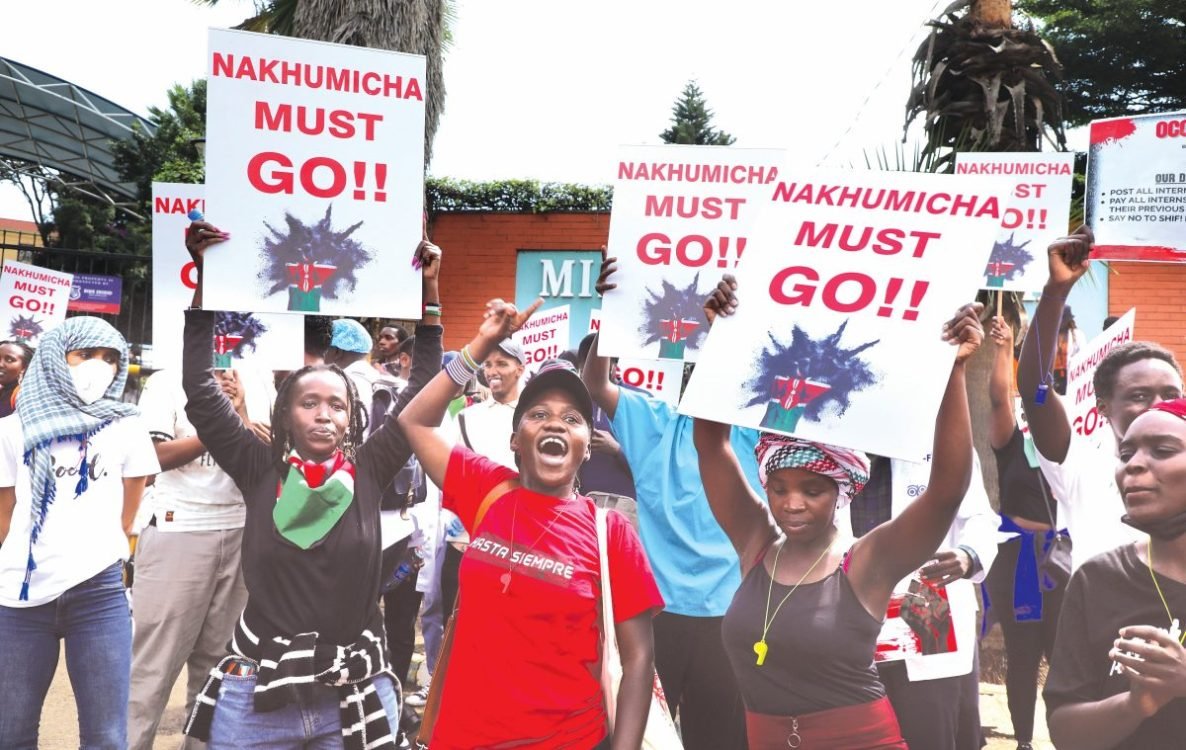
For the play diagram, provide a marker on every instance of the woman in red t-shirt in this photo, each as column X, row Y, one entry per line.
column 524, row 671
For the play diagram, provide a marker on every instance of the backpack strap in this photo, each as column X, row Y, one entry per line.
column 496, row 492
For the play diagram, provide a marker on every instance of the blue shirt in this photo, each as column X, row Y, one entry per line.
column 693, row 560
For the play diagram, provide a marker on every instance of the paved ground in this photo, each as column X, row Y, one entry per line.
column 59, row 727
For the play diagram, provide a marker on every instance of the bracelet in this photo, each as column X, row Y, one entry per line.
column 432, row 309
column 459, row 370
column 470, row 362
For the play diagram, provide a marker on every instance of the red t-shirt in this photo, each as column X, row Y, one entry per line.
column 524, row 672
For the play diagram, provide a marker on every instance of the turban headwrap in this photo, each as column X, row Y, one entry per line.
column 847, row 468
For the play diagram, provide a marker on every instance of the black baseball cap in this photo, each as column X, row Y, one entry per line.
column 555, row 373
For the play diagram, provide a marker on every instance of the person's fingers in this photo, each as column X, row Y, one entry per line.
column 525, row 315
column 1148, row 633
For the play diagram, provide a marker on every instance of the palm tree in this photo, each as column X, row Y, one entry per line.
column 420, row 27
column 983, row 84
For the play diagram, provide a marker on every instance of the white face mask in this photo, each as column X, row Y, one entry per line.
column 92, row 378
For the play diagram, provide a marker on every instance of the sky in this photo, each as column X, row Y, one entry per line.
column 548, row 89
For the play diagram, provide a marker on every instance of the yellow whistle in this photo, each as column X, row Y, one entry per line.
column 760, row 648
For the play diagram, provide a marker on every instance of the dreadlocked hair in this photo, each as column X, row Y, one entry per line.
column 281, row 439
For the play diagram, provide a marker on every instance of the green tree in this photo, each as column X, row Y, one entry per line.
column 691, row 121
column 170, row 152
column 420, row 27
column 1121, row 57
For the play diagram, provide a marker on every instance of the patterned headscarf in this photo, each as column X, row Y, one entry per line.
column 50, row 409
column 848, row 469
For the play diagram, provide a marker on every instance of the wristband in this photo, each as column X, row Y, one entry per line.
column 470, row 362
column 459, row 369
column 432, row 309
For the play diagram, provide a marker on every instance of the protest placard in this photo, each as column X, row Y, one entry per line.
column 544, row 336
column 315, row 165
column 275, row 341
column 846, row 284
column 1038, row 214
column 96, row 293
column 1086, row 422
column 681, row 217
column 662, row 378
column 1136, row 187
column 32, row 301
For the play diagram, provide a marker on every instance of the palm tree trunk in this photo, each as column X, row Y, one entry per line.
column 998, row 13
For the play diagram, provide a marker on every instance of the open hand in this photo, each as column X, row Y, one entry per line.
column 965, row 330
column 1068, row 257
column 722, row 300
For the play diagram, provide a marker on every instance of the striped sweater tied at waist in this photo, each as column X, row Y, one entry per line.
column 285, row 665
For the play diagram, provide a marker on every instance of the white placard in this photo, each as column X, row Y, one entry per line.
column 32, row 301
column 1086, row 422
column 1039, row 213
column 544, row 336
column 1136, row 188
column 680, row 220
column 270, row 341
column 315, row 165
column 846, row 285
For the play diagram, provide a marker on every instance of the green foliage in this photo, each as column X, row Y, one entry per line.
column 691, row 121
column 444, row 195
column 168, row 154
column 1121, row 57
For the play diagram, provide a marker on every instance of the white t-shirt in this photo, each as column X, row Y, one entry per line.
column 1089, row 504
column 81, row 535
column 487, row 430
column 198, row 496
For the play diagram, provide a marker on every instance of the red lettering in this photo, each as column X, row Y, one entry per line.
column 1171, row 129
column 275, row 181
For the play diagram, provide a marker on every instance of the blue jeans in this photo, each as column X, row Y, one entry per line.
column 94, row 620
column 313, row 724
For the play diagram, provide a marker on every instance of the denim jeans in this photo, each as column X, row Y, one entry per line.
column 313, row 724
column 94, row 621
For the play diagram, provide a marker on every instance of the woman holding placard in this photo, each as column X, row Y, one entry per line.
column 806, row 669
column 308, row 666
column 529, row 606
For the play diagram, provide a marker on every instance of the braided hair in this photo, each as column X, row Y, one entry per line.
column 281, row 439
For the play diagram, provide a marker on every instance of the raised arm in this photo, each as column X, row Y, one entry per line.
column 897, row 548
column 388, row 449
column 1048, row 423
column 421, row 417
column 595, row 370
column 232, row 445
column 742, row 515
column 1000, row 385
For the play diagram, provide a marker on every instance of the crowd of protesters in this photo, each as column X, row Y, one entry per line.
column 768, row 591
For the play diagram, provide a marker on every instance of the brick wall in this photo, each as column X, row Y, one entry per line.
column 1158, row 291
column 480, row 251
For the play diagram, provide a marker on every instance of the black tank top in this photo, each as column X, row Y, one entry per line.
column 1021, row 493
column 820, row 646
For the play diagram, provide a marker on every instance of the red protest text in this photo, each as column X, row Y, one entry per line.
column 274, row 173
column 165, row 205
column 339, row 123
column 36, row 275
column 889, row 241
column 848, row 292
column 888, row 199
column 693, row 206
column 737, row 174
column 693, row 251
column 324, row 77
column 1015, row 168
column 1170, row 129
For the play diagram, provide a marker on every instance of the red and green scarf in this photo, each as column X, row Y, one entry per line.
column 312, row 499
